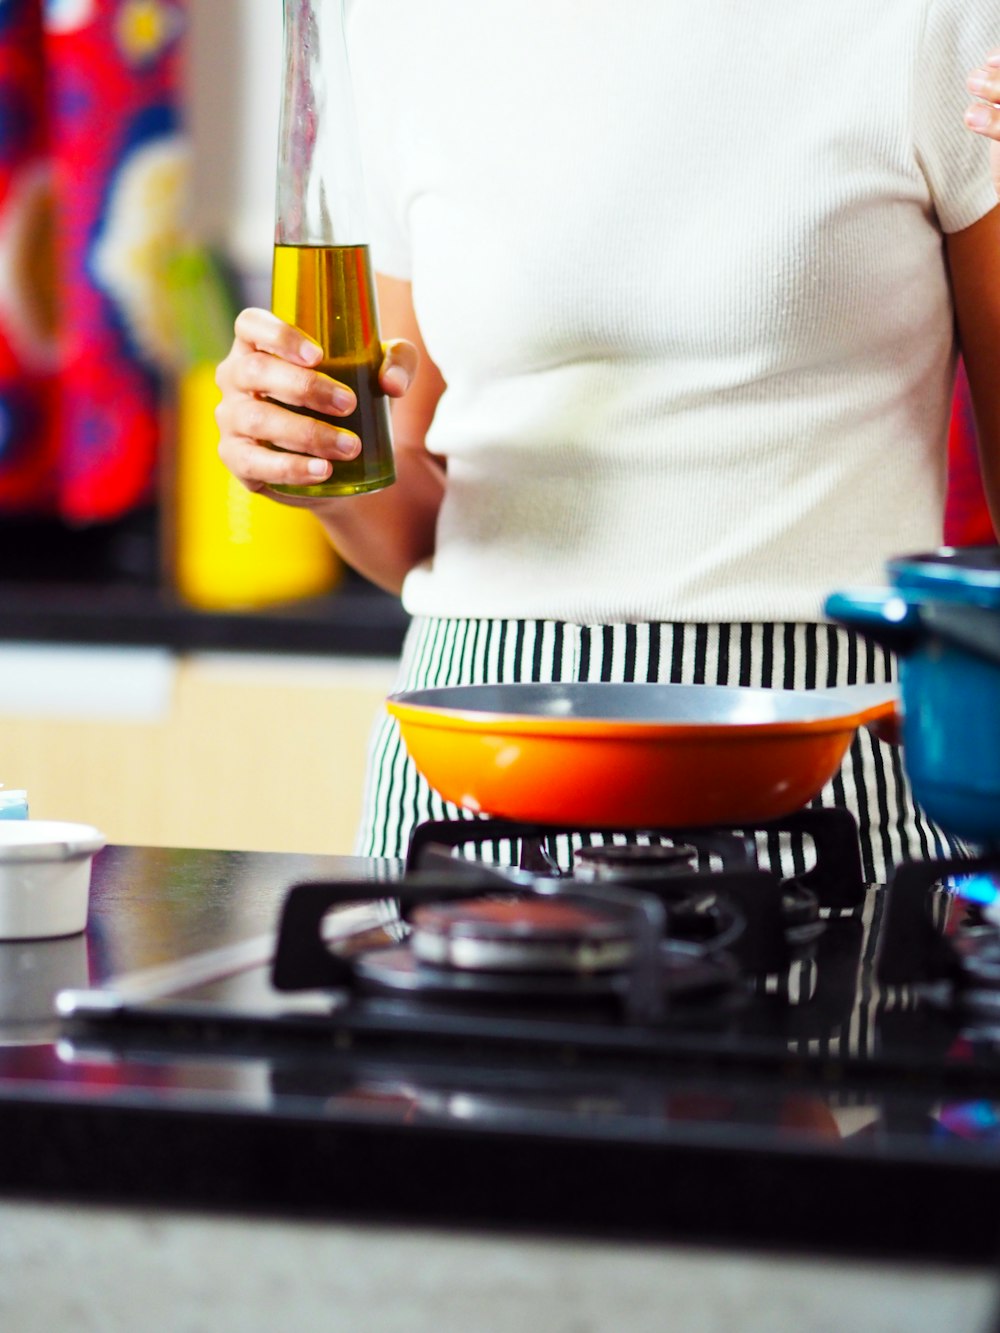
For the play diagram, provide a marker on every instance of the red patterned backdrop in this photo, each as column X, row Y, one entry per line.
column 967, row 522
column 92, row 186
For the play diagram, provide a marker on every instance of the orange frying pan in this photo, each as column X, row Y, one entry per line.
column 592, row 755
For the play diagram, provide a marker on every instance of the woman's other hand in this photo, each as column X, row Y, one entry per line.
column 983, row 116
column 270, row 364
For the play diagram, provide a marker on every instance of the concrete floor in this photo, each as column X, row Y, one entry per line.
column 102, row 1270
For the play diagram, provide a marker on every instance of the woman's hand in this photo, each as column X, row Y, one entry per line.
column 270, row 364
column 983, row 116
column 384, row 533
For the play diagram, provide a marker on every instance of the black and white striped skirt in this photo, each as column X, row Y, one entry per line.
column 871, row 782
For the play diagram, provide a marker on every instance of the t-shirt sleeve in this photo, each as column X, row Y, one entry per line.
column 377, row 77
column 955, row 162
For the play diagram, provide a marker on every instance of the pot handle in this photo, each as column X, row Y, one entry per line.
column 881, row 614
column 966, row 627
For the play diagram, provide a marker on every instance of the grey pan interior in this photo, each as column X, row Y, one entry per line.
column 711, row 705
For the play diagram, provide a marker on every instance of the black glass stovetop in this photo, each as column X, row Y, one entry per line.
column 806, row 1034
column 818, row 977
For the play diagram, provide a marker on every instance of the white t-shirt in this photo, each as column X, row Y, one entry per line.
column 681, row 266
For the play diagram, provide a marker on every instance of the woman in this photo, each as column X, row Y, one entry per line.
column 673, row 343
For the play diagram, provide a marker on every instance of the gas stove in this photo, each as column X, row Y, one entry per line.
column 658, row 1001
column 673, row 943
column 615, row 940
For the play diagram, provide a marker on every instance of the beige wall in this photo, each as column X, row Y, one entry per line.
column 226, row 751
column 233, row 78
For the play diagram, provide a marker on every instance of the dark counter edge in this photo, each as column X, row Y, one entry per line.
column 68, row 1150
column 356, row 620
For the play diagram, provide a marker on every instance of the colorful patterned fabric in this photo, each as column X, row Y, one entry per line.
column 27, row 286
column 92, row 184
column 967, row 519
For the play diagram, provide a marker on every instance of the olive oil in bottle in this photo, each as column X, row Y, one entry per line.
column 328, row 292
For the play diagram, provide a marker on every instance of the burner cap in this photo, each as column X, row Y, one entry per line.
column 634, row 861
column 537, row 934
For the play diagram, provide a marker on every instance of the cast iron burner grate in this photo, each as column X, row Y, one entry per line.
column 835, row 878
column 941, row 932
column 689, row 933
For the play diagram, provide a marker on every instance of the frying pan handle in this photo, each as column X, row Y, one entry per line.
column 881, row 714
column 887, row 728
column 882, row 615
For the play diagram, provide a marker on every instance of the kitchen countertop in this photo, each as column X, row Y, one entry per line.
column 150, row 1130
column 160, row 1114
column 228, row 1180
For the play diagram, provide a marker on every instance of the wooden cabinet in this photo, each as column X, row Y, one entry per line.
column 227, row 750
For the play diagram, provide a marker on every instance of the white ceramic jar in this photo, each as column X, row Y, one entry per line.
column 45, row 870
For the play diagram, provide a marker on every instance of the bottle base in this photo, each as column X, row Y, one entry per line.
column 333, row 490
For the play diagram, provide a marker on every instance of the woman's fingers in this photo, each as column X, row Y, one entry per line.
column 399, row 365
column 262, row 331
column 261, row 373
column 264, row 444
column 255, row 418
column 983, row 119
column 258, row 467
column 277, row 415
column 271, row 358
column 984, row 116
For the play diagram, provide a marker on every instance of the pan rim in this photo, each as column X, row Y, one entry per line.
column 407, row 707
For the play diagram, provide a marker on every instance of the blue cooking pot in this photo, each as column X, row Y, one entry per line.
column 941, row 615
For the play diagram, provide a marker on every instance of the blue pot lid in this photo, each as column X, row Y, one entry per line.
column 969, row 574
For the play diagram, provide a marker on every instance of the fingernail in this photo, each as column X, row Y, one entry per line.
column 978, row 81
column 396, row 378
column 978, row 117
column 346, row 444
column 993, row 60
column 310, row 353
column 343, row 400
column 317, row 467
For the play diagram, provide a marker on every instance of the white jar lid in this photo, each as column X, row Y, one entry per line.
column 47, row 840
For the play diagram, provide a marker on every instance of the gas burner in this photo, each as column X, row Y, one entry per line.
column 631, row 926
column 800, row 913
column 695, row 913
column 681, row 974
column 708, row 880
column 634, row 863
column 523, row 934
column 977, row 956
column 644, row 857
column 941, row 935
column 561, row 944
column 469, row 940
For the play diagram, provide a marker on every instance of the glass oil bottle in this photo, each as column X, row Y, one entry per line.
column 322, row 278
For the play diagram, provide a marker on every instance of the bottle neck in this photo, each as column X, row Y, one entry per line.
column 320, row 197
